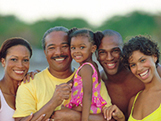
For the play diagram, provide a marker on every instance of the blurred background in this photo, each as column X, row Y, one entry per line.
column 31, row 18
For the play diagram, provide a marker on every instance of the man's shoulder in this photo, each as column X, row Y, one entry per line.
column 41, row 74
column 37, row 78
column 132, row 84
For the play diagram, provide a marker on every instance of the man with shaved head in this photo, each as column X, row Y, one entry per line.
column 120, row 82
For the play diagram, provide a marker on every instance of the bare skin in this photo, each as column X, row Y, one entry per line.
column 143, row 107
column 121, row 84
column 16, row 65
column 122, row 87
column 113, row 112
column 11, row 79
column 74, row 115
column 149, row 99
column 67, row 114
column 56, row 44
column 121, row 91
column 86, row 72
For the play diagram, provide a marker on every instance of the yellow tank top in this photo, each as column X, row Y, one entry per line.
column 154, row 116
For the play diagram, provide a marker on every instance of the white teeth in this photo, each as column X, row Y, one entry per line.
column 142, row 74
column 60, row 59
column 110, row 64
column 20, row 72
column 78, row 56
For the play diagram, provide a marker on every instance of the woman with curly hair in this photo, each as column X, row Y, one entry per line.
column 141, row 55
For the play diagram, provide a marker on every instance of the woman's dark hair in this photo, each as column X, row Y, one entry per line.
column 141, row 43
column 95, row 38
column 13, row 42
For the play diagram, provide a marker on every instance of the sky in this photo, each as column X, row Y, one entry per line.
column 94, row 11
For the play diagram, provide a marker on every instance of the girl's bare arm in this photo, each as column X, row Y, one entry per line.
column 86, row 74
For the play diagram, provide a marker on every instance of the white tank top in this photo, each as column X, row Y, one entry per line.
column 6, row 112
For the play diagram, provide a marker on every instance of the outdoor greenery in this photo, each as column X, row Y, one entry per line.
column 132, row 24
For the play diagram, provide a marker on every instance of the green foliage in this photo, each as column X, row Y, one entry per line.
column 39, row 28
column 132, row 24
column 12, row 27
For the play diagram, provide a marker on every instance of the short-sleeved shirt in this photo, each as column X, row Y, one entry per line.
column 32, row 96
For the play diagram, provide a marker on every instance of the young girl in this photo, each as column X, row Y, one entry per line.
column 85, row 95
column 142, row 56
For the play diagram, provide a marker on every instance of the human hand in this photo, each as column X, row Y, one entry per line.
column 113, row 111
column 30, row 74
column 62, row 92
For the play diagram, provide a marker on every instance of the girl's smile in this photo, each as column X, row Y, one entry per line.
column 81, row 49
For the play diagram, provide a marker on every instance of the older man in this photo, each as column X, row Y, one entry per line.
column 120, row 82
column 46, row 92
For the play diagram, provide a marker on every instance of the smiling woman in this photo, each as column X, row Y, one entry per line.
column 15, row 54
column 141, row 55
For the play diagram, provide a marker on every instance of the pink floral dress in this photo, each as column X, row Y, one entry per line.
column 77, row 92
